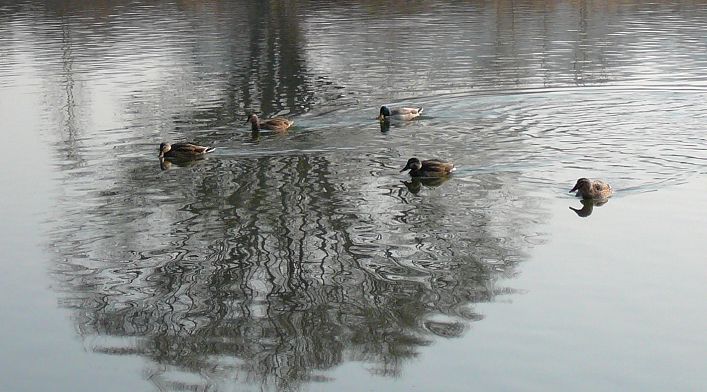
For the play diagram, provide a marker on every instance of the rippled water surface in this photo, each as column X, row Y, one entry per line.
column 305, row 260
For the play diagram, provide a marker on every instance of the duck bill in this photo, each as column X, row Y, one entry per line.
column 407, row 167
column 381, row 117
column 576, row 186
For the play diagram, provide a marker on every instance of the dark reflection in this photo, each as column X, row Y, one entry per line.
column 255, row 136
column 385, row 126
column 588, row 207
column 414, row 185
column 278, row 263
column 168, row 162
column 407, row 126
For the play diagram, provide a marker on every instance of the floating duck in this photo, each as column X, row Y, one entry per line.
column 279, row 124
column 183, row 150
column 592, row 189
column 399, row 114
column 428, row 168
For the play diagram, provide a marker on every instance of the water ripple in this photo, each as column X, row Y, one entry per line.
column 283, row 253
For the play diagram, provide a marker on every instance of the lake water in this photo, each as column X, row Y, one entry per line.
column 306, row 260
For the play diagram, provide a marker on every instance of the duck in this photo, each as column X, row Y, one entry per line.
column 183, row 150
column 399, row 114
column 428, row 168
column 279, row 124
column 592, row 189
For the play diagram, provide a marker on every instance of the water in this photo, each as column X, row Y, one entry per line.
column 306, row 261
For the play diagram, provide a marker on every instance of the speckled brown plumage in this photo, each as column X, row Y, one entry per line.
column 183, row 150
column 279, row 124
column 592, row 189
column 428, row 168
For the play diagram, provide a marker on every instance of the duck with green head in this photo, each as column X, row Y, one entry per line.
column 278, row 124
column 428, row 168
column 592, row 189
column 399, row 114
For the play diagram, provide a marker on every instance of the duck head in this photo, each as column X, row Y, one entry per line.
column 413, row 164
column 384, row 112
column 164, row 148
column 252, row 118
column 582, row 185
column 254, row 121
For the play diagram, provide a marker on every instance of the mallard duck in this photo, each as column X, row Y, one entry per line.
column 428, row 168
column 400, row 114
column 279, row 124
column 592, row 189
column 183, row 150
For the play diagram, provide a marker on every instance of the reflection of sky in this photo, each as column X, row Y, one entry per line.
column 448, row 47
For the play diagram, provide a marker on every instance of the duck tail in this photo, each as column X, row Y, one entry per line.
column 209, row 149
column 420, row 109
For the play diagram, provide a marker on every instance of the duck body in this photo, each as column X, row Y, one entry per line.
column 399, row 114
column 592, row 189
column 183, row 150
column 279, row 124
column 428, row 168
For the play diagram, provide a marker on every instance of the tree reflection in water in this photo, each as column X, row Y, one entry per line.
column 273, row 263
column 274, row 268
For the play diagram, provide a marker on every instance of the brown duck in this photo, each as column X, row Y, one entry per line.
column 278, row 124
column 592, row 189
column 428, row 168
column 183, row 150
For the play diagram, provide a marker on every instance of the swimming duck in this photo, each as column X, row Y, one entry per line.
column 279, row 124
column 400, row 114
column 592, row 189
column 428, row 168
column 183, row 150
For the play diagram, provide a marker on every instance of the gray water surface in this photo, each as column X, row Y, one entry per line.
column 306, row 260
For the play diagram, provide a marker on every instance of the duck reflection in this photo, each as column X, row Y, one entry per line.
column 385, row 126
column 167, row 163
column 588, row 207
column 255, row 135
column 415, row 184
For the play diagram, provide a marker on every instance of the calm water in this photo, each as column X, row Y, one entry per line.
column 306, row 261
